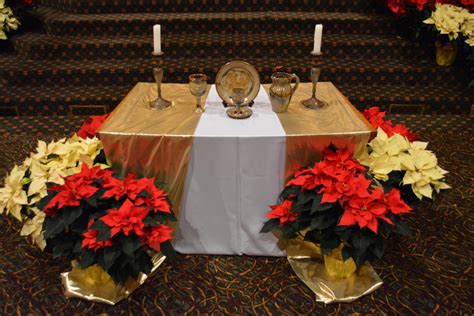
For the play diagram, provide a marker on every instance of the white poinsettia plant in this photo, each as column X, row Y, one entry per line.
column 26, row 184
column 453, row 21
column 385, row 155
column 8, row 21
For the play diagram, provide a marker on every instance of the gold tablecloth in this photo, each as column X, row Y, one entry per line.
column 309, row 131
column 150, row 142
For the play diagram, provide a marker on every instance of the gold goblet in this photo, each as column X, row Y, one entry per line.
column 197, row 86
column 238, row 98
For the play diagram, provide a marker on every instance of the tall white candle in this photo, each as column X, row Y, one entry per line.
column 318, row 36
column 157, row 39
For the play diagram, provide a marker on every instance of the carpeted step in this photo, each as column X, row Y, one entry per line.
column 130, row 6
column 43, row 46
column 61, row 100
column 351, row 70
column 98, row 99
column 61, row 23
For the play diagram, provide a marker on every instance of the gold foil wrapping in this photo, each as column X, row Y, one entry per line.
column 308, row 264
column 95, row 285
column 308, row 131
column 150, row 142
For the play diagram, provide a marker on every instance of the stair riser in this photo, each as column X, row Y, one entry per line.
column 231, row 50
column 180, row 75
column 149, row 6
column 190, row 26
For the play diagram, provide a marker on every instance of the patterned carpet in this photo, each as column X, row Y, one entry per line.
column 428, row 273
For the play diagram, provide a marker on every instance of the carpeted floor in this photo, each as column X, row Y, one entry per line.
column 428, row 273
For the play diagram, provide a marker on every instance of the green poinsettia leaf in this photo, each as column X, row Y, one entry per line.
column 306, row 196
column 87, row 258
column 77, row 247
column 378, row 248
column 111, row 254
column 143, row 262
column 344, row 232
column 71, row 214
column 53, row 226
column 313, row 236
column 322, row 221
column 299, row 208
column 359, row 258
column 130, row 244
column 143, row 194
column 289, row 231
column 317, row 206
column 167, row 249
column 361, row 240
column 346, row 253
column 329, row 242
column 92, row 201
column 270, row 225
column 63, row 248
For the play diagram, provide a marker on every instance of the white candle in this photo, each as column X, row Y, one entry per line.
column 318, row 36
column 157, row 39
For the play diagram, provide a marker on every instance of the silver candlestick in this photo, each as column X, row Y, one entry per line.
column 159, row 103
column 314, row 102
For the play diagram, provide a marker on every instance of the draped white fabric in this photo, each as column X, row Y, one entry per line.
column 236, row 171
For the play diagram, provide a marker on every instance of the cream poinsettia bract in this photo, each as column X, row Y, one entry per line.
column 422, row 171
column 25, row 186
column 451, row 20
column 12, row 196
column 387, row 154
column 8, row 21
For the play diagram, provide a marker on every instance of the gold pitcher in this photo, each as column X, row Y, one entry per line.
column 281, row 90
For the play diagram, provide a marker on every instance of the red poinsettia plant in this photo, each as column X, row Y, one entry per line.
column 89, row 127
column 401, row 7
column 411, row 14
column 377, row 119
column 119, row 224
column 336, row 202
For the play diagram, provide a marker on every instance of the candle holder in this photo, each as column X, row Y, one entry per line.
column 159, row 103
column 315, row 103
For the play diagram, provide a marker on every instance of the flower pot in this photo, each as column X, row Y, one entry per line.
column 336, row 266
column 446, row 53
column 96, row 285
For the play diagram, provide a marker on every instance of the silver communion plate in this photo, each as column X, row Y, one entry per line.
column 237, row 74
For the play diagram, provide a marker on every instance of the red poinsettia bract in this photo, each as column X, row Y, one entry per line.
column 154, row 236
column 376, row 119
column 90, row 126
column 90, row 240
column 75, row 188
column 130, row 186
column 397, row 6
column 283, row 212
column 365, row 211
column 157, row 200
column 126, row 219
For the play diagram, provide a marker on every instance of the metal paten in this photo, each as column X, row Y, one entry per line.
column 281, row 91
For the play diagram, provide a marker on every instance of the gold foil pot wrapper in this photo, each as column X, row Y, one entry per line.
column 446, row 53
column 307, row 262
column 95, row 285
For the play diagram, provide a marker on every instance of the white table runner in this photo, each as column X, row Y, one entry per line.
column 235, row 173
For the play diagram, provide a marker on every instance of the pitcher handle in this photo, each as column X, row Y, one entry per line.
column 297, row 82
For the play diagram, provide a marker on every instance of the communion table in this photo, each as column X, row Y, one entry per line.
column 222, row 174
